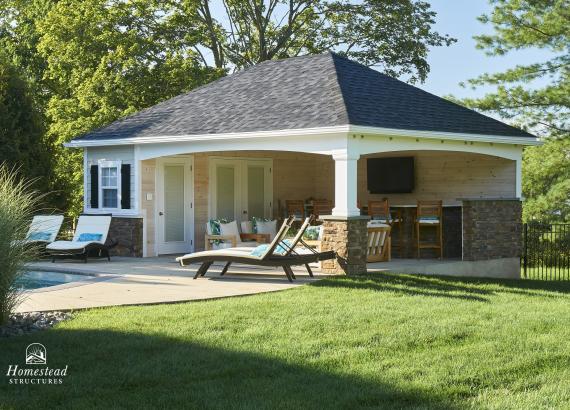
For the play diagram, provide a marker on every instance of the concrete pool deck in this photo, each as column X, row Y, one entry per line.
column 138, row 281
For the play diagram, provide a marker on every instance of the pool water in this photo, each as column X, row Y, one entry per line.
column 38, row 279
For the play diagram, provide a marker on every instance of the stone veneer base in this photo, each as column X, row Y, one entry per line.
column 128, row 232
column 347, row 236
column 492, row 229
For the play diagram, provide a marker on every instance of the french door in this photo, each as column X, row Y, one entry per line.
column 175, row 225
column 241, row 189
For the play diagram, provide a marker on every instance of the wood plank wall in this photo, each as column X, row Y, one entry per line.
column 448, row 176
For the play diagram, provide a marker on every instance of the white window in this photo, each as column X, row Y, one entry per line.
column 109, row 184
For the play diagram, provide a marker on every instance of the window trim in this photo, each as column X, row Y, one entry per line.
column 109, row 164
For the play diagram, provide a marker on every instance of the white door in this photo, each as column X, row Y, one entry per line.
column 241, row 189
column 175, row 225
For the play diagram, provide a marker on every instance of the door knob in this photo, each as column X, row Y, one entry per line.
column 160, row 213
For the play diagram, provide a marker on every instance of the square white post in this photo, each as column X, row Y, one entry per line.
column 345, row 184
column 518, row 170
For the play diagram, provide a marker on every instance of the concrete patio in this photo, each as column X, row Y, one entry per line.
column 137, row 281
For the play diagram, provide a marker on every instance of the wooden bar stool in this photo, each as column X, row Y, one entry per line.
column 429, row 213
column 380, row 211
column 295, row 207
column 322, row 207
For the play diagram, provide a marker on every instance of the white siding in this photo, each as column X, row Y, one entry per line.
column 125, row 154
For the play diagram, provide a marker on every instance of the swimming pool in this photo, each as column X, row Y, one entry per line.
column 40, row 279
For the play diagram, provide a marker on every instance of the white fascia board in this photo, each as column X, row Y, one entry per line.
column 209, row 137
column 438, row 135
column 356, row 129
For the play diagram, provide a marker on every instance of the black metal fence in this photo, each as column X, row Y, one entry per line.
column 546, row 251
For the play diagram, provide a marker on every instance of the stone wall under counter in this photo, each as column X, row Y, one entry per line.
column 492, row 228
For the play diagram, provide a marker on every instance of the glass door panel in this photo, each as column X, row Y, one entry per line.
column 256, row 191
column 225, row 192
column 174, row 203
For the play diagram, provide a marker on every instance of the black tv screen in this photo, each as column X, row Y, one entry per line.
column 390, row 175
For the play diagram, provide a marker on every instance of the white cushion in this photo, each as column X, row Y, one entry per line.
column 428, row 221
column 93, row 224
column 46, row 223
column 377, row 224
column 68, row 245
column 230, row 229
column 247, row 227
column 269, row 227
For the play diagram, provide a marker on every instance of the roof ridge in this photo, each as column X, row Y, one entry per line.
column 338, row 87
column 422, row 91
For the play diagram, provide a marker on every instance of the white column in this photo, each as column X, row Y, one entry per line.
column 518, row 177
column 345, row 184
column 138, row 180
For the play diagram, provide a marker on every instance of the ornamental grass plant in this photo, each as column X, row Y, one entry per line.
column 18, row 201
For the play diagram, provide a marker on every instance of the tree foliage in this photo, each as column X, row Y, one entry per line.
column 546, row 181
column 394, row 35
column 525, row 24
column 22, row 143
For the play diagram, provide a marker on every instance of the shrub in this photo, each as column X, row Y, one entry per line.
column 17, row 204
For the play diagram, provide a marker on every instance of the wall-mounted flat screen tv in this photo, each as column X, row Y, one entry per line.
column 393, row 175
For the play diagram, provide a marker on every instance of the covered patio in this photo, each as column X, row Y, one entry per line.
column 244, row 152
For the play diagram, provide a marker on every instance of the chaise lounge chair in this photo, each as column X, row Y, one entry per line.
column 88, row 240
column 276, row 254
column 43, row 230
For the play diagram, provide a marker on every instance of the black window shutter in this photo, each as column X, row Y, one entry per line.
column 94, row 186
column 125, row 186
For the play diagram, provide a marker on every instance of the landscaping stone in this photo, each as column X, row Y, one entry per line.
column 23, row 323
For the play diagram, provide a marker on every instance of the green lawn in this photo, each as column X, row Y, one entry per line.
column 377, row 341
column 547, row 273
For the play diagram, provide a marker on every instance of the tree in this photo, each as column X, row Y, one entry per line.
column 105, row 60
column 521, row 24
column 394, row 35
column 546, row 182
column 535, row 96
column 22, row 144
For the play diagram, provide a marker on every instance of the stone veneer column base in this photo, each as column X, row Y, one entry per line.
column 128, row 232
column 347, row 236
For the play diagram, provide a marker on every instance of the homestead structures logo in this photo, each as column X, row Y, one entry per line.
column 36, row 353
column 36, row 356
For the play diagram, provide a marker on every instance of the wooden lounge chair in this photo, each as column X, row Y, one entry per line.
column 89, row 239
column 380, row 211
column 379, row 242
column 269, row 257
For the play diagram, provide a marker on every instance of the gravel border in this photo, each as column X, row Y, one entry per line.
column 31, row 322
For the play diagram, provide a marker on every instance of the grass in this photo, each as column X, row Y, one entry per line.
column 547, row 273
column 381, row 341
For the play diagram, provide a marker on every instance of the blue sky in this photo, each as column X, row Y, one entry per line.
column 461, row 61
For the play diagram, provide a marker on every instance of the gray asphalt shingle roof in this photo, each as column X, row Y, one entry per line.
column 303, row 92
